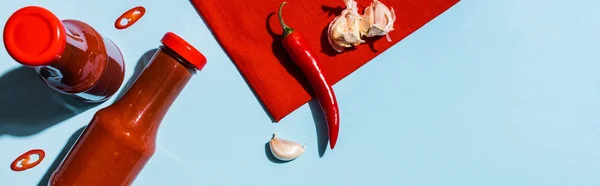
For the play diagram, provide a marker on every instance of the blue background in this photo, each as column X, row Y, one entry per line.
column 490, row 93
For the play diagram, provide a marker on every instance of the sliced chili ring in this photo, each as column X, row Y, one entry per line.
column 24, row 159
column 130, row 17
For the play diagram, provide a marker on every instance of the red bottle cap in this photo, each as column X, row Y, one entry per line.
column 34, row 36
column 184, row 49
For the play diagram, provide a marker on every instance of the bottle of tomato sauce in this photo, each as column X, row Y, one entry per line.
column 120, row 139
column 69, row 55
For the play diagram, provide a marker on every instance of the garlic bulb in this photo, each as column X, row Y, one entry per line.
column 344, row 30
column 285, row 150
column 378, row 20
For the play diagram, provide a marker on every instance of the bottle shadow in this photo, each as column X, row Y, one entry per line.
column 28, row 105
column 138, row 69
column 70, row 142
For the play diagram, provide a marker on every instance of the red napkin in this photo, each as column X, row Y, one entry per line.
column 250, row 34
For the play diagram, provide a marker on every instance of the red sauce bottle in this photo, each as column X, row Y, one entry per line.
column 120, row 139
column 70, row 56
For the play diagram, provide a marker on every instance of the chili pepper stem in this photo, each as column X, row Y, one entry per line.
column 286, row 29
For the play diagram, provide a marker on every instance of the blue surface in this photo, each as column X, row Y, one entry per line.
column 490, row 93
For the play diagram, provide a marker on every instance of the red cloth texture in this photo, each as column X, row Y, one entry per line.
column 250, row 34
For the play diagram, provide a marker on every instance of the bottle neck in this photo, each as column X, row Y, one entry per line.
column 150, row 97
column 82, row 62
column 65, row 63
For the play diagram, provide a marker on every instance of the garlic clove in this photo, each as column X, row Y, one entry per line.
column 344, row 30
column 378, row 20
column 285, row 150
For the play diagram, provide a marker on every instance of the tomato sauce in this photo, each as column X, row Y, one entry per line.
column 120, row 139
column 69, row 55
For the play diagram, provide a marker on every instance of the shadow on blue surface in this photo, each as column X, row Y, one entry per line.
column 61, row 156
column 28, row 105
column 270, row 156
column 320, row 126
column 139, row 67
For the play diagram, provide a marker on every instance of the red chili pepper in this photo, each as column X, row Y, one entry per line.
column 130, row 17
column 306, row 59
column 24, row 159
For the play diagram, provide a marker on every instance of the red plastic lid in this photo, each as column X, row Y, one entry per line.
column 184, row 49
column 34, row 36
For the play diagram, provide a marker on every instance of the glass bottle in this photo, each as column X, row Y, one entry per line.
column 120, row 139
column 69, row 55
